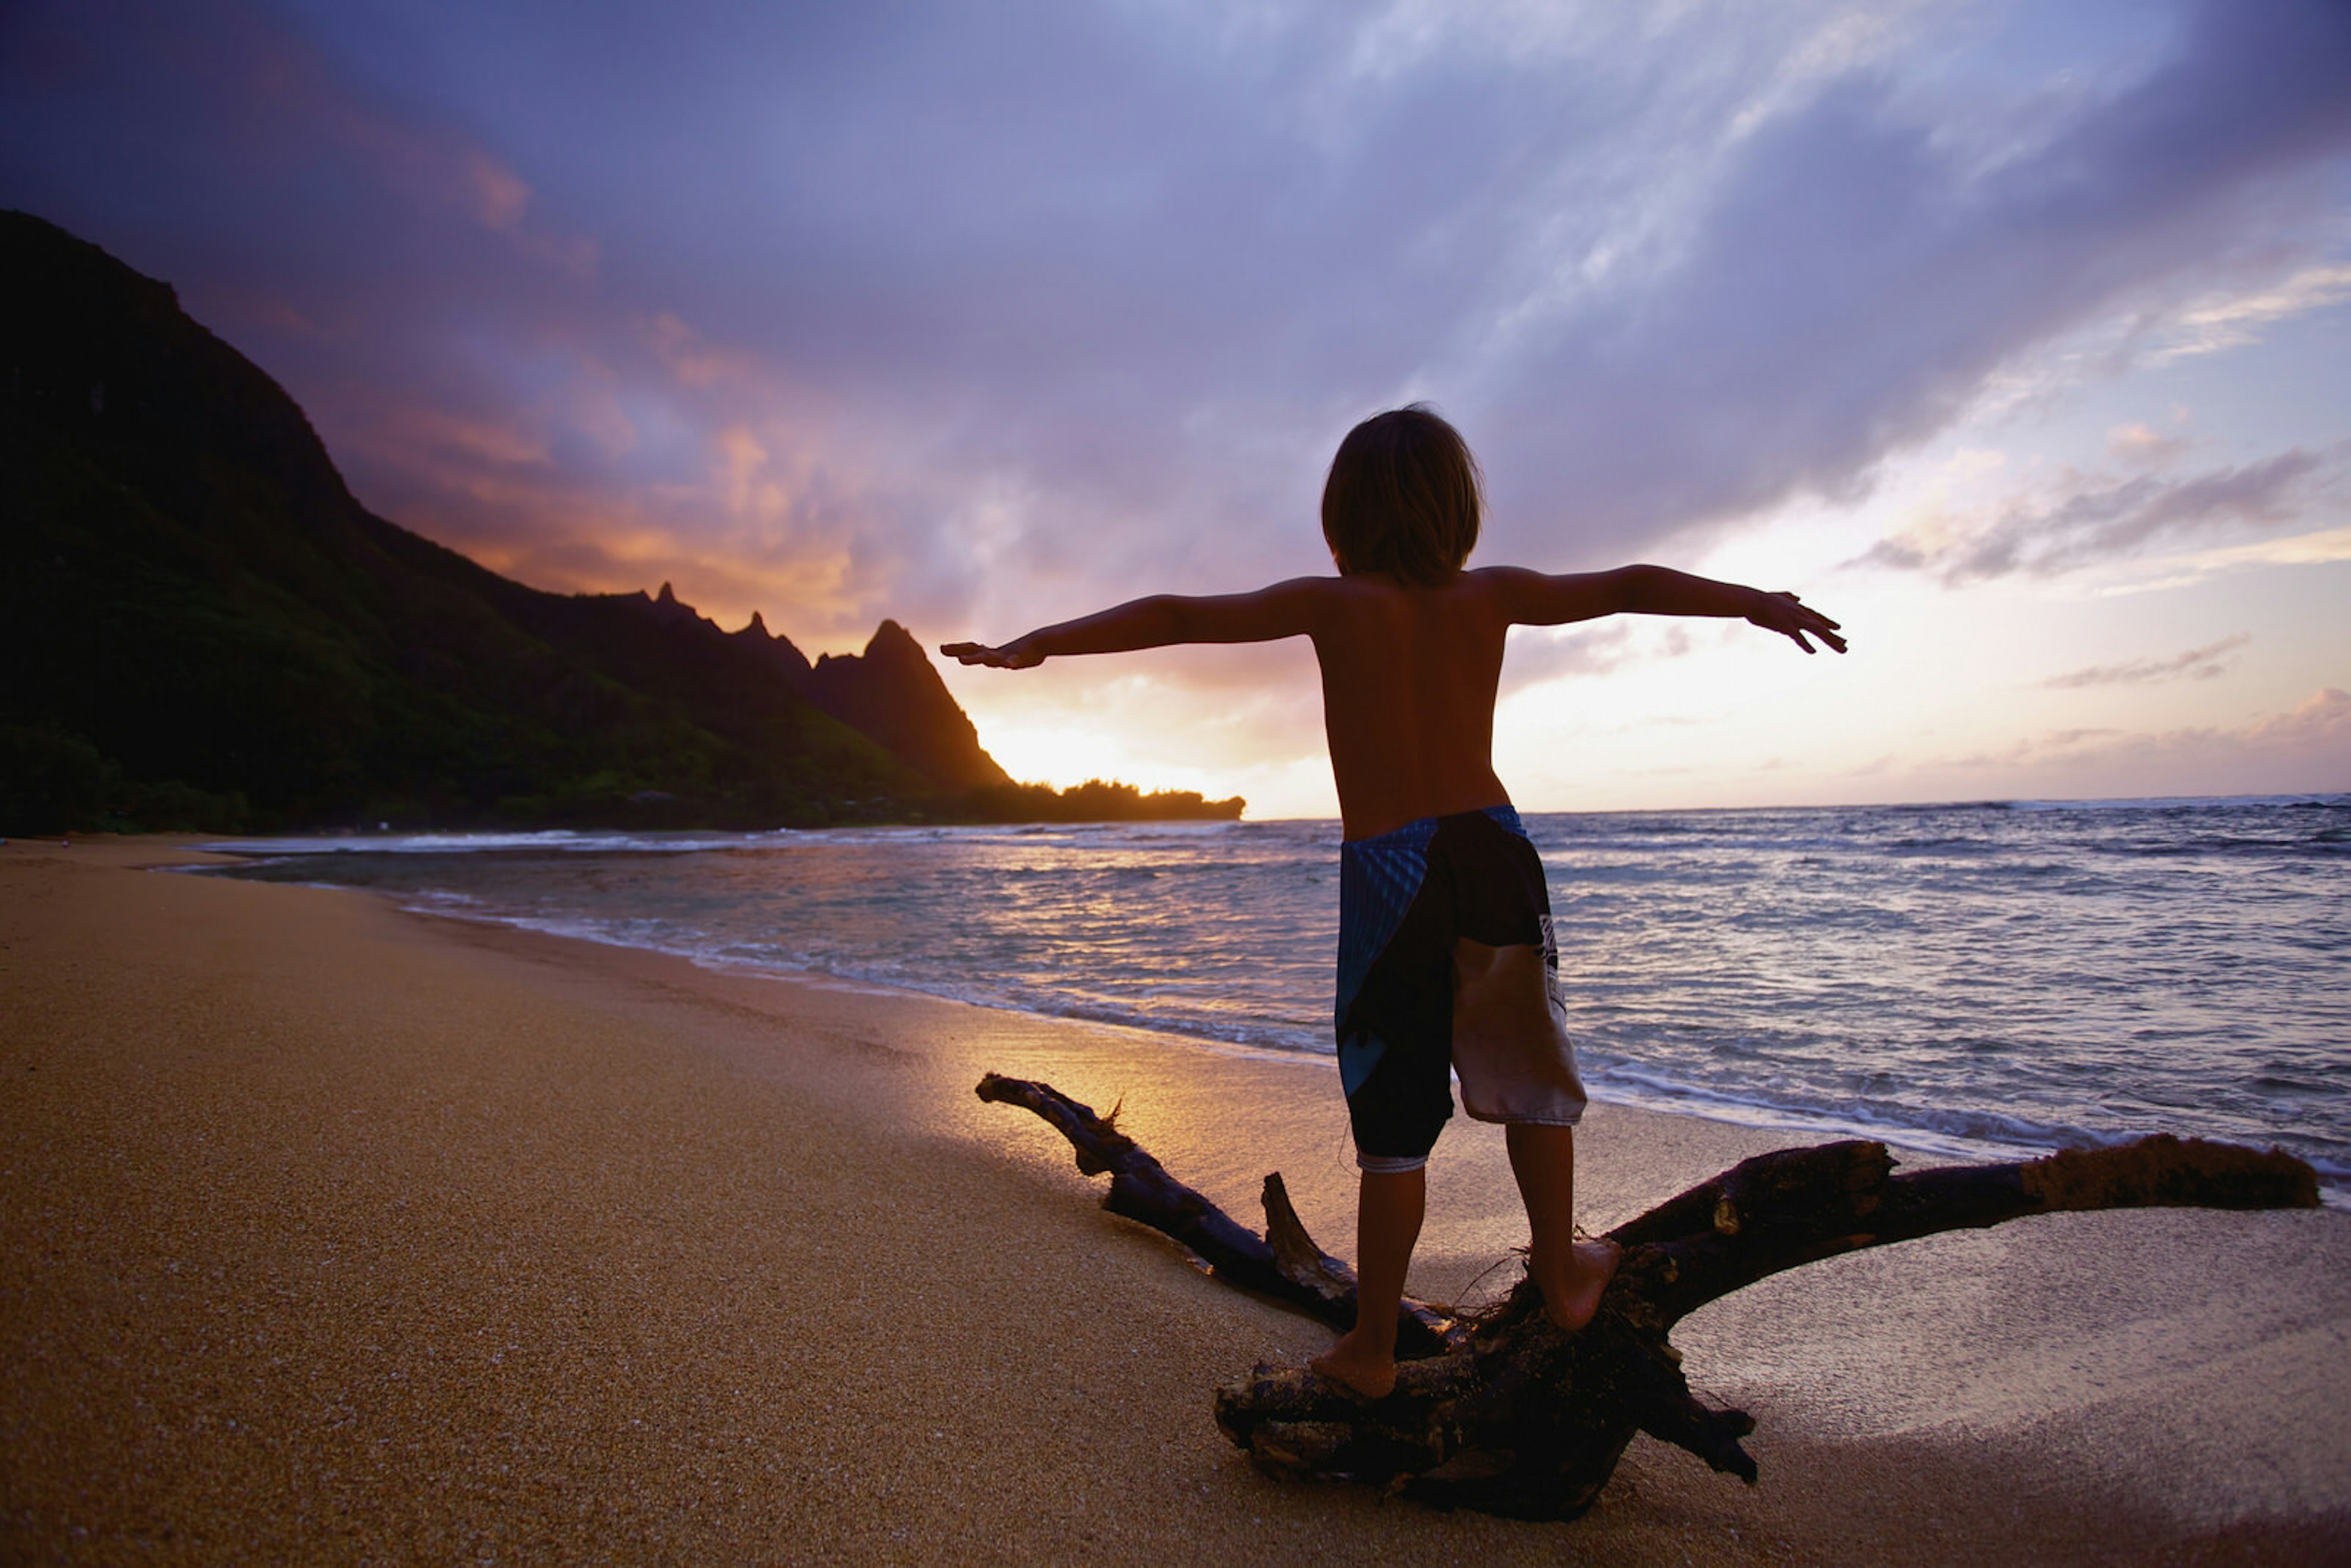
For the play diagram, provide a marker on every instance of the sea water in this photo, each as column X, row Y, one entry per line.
column 1980, row 981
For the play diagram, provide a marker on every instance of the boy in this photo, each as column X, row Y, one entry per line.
column 1446, row 958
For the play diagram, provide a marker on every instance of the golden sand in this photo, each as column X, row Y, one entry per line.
column 332, row 1234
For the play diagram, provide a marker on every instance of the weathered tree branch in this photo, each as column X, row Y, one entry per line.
column 1285, row 1263
column 1502, row 1411
column 1781, row 1210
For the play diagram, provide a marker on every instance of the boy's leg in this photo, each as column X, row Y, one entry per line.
column 1571, row 1274
column 1387, row 1223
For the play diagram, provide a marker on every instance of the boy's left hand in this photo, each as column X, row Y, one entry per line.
column 1792, row 618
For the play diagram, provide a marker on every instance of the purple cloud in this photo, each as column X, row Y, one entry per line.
column 1861, row 272
column 947, row 311
column 2107, row 522
column 2196, row 664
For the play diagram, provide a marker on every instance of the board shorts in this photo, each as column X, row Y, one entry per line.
column 1446, row 965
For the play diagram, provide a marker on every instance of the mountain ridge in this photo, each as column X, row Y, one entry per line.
column 204, row 628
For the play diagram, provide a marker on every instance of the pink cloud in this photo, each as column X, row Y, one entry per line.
column 2305, row 747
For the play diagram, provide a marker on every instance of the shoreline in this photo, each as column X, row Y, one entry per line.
column 1940, row 1063
column 1782, row 1128
column 346, row 1231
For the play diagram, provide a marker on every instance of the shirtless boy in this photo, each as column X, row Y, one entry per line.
column 1446, row 957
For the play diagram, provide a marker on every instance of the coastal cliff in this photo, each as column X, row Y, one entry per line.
column 202, row 628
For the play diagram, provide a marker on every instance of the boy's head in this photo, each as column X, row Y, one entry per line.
column 1404, row 497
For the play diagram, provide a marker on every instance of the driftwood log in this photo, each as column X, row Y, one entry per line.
column 1502, row 1413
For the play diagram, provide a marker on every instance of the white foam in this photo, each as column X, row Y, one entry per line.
column 552, row 839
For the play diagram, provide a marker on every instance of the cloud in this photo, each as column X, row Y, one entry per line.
column 2322, row 720
column 1858, row 276
column 2307, row 747
column 979, row 316
column 2144, row 448
column 2209, row 325
column 2091, row 521
column 1537, row 654
column 2196, row 664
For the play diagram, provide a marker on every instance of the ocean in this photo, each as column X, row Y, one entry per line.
column 1980, row 981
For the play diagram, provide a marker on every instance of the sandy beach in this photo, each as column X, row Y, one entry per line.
column 334, row 1233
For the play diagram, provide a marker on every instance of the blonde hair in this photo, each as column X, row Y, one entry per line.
column 1404, row 496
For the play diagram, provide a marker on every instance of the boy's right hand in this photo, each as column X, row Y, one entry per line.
column 1792, row 618
column 1014, row 656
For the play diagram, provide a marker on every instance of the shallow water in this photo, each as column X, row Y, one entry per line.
column 1974, row 979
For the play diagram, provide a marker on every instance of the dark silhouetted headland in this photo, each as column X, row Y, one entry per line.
column 202, row 628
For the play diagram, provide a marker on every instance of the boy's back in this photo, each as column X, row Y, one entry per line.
column 1409, row 675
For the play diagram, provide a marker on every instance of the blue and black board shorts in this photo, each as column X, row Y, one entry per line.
column 1446, row 965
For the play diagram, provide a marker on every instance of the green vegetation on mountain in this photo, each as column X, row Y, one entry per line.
column 202, row 628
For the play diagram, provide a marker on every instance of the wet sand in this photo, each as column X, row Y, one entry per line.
column 333, row 1233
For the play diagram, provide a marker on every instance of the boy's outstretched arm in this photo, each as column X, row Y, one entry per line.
column 1283, row 609
column 1534, row 599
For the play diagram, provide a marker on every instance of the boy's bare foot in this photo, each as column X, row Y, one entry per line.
column 1359, row 1367
column 1571, row 1293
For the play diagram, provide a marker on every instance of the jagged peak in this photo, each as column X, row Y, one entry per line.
column 894, row 642
column 672, row 608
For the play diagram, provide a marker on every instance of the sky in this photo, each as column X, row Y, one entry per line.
column 2012, row 335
